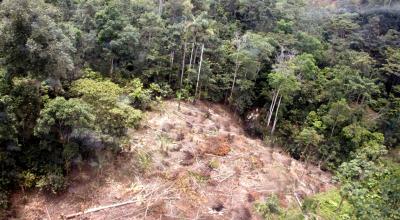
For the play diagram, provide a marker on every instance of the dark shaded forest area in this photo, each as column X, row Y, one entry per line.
column 320, row 78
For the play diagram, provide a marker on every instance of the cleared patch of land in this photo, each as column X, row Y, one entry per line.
column 192, row 163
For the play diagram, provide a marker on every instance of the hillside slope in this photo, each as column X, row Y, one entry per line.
column 194, row 163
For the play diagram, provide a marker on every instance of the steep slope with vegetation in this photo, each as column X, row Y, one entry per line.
column 183, row 163
column 319, row 78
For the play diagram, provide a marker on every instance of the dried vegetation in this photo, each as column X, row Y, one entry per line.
column 196, row 163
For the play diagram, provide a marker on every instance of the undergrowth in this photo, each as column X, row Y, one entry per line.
column 320, row 206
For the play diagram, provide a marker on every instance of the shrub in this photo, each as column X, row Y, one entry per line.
column 3, row 201
column 326, row 206
column 138, row 96
column 112, row 116
column 27, row 179
column 144, row 160
column 53, row 182
column 90, row 74
column 269, row 209
column 161, row 90
column 63, row 116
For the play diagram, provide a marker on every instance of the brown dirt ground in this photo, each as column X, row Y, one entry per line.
column 192, row 163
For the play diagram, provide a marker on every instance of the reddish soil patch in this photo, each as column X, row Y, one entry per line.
column 193, row 163
column 218, row 146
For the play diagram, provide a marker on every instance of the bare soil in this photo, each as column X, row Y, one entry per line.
column 192, row 163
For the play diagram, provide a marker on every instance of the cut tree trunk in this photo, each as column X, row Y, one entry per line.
column 71, row 216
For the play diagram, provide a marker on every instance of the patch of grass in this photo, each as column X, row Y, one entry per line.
column 199, row 177
column 165, row 141
column 214, row 164
column 144, row 161
column 320, row 206
column 269, row 209
column 325, row 205
column 213, row 132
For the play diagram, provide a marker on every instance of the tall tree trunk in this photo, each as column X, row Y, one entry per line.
column 172, row 55
column 275, row 98
column 193, row 62
column 199, row 92
column 198, row 74
column 304, row 155
column 358, row 98
column 258, row 68
column 234, row 80
column 183, row 65
column 111, row 71
column 276, row 116
column 237, row 65
column 362, row 99
column 160, row 7
column 195, row 55
column 340, row 205
column 191, row 56
column 149, row 41
column 333, row 128
column 270, row 108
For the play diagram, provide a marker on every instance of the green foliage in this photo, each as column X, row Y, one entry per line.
column 390, row 191
column 138, row 96
column 63, row 117
column 361, row 179
column 163, row 90
column 214, row 163
column 144, row 160
column 334, row 74
column 305, row 66
column 310, row 139
column 32, row 26
column 285, row 26
column 199, row 177
column 90, row 74
column 269, row 209
column 392, row 65
column 24, row 103
column 326, row 206
column 99, row 93
column 283, row 78
column 320, row 206
column 307, row 43
column 339, row 112
column 3, row 201
column 27, row 179
column 54, row 181
column 113, row 117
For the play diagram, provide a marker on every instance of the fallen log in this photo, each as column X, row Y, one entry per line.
column 96, row 209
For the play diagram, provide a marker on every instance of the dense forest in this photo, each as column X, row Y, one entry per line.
column 320, row 78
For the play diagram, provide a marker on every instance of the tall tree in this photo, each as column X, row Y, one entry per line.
column 32, row 42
